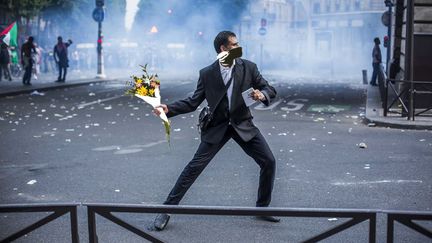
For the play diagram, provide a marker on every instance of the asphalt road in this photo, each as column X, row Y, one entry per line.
column 94, row 144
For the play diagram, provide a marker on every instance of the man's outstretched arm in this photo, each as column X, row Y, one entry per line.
column 185, row 105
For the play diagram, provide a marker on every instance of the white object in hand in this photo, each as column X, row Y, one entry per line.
column 247, row 97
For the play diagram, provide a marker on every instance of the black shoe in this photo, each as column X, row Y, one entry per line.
column 373, row 84
column 268, row 219
column 161, row 221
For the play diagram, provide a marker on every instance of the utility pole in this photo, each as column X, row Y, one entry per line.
column 98, row 16
column 389, row 4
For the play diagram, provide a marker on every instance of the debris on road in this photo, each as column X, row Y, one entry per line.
column 31, row 182
column 37, row 93
column 362, row 145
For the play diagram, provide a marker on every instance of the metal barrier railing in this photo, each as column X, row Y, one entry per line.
column 406, row 218
column 106, row 210
column 406, row 96
column 355, row 217
column 57, row 209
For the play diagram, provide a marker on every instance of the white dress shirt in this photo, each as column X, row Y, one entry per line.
column 226, row 73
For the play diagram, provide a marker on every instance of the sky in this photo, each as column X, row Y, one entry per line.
column 131, row 9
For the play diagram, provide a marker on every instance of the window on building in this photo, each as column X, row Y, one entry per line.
column 347, row 5
column 357, row 4
column 328, row 6
column 317, row 7
column 337, row 5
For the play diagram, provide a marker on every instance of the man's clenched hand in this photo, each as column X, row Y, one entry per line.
column 257, row 95
column 157, row 111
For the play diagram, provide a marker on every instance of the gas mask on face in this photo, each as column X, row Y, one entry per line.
column 226, row 58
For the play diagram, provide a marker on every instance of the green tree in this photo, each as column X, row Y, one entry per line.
column 59, row 16
column 24, row 11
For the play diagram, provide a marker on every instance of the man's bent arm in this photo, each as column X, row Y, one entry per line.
column 261, row 84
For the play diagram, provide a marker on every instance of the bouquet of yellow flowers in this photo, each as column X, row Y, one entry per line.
column 146, row 87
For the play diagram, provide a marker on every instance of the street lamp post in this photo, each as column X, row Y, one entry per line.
column 389, row 4
column 98, row 16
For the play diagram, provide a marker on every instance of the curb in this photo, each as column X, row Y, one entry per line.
column 395, row 124
column 49, row 86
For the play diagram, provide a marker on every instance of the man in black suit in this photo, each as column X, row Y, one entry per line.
column 231, row 119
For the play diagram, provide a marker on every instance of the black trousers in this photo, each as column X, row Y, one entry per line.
column 257, row 148
column 64, row 70
column 375, row 73
column 27, row 73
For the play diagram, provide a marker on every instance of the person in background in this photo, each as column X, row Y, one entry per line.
column 37, row 58
column 61, row 57
column 376, row 62
column 4, row 61
column 27, row 50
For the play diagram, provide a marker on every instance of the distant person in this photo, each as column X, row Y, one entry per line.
column 221, row 84
column 395, row 63
column 37, row 58
column 376, row 62
column 61, row 57
column 4, row 61
column 28, row 49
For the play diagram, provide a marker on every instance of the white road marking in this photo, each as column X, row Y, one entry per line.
column 106, row 148
column 147, row 145
column 262, row 107
column 128, row 151
column 374, row 182
column 296, row 105
column 80, row 106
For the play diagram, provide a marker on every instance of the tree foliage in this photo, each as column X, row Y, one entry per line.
column 27, row 8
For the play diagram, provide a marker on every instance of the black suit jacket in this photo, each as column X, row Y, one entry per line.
column 211, row 87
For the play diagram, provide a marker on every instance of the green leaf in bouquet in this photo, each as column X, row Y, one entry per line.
column 167, row 126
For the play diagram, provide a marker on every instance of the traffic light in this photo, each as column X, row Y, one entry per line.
column 100, row 3
column 386, row 41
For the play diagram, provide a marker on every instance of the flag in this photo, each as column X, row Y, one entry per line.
column 10, row 35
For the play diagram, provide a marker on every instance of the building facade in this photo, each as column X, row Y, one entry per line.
column 342, row 31
column 334, row 36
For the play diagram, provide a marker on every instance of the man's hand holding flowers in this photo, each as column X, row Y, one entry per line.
column 157, row 110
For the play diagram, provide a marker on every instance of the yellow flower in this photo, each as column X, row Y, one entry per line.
column 151, row 92
column 142, row 91
column 138, row 81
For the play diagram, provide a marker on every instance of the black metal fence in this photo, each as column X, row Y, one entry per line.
column 106, row 210
column 57, row 210
column 403, row 93
column 406, row 218
column 354, row 216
